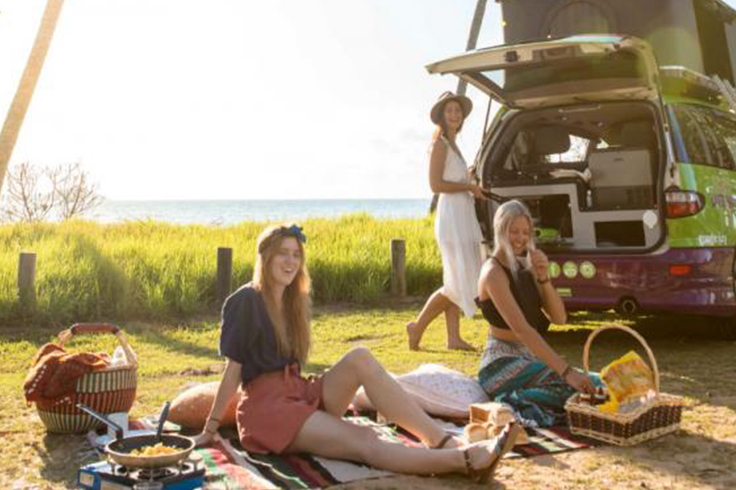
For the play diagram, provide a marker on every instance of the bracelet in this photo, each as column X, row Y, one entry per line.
column 543, row 281
column 565, row 372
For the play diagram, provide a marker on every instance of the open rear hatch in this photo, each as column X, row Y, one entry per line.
column 558, row 72
column 582, row 143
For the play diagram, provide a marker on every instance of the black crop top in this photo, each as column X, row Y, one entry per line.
column 525, row 293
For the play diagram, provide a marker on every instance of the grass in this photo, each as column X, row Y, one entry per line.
column 151, row 270
column 701, row 455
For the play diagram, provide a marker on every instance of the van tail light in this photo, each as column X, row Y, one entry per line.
column 683, row 203
column 680, row 270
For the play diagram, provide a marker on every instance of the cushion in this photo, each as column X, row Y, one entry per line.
column 191, row 408
column 439, row 390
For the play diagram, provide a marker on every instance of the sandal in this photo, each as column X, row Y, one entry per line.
column 504, row 443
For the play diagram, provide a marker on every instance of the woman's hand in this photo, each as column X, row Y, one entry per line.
column 540, row 264
column 203, row 439
column 579, row 381
column 476, row 190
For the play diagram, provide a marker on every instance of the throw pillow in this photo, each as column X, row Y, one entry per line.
column 191, row 408
column 439, row 390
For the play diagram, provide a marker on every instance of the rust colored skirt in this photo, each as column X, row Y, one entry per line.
column 275, row 408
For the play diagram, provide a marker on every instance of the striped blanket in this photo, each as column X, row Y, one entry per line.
column 230, row 467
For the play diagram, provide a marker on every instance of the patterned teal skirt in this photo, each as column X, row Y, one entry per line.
column 510, row 374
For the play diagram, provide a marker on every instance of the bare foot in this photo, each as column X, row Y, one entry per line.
column 415, row 335
column 459, row 344
column 455, row 442
column 450, row 441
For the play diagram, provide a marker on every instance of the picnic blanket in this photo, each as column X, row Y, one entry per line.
column 229, row 466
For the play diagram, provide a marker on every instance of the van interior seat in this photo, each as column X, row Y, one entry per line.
column 551, row 140
column 638, row 134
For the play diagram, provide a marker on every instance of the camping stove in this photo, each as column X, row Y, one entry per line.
column 107, row 475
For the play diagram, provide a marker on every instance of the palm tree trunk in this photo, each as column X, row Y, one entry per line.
column 24, row 93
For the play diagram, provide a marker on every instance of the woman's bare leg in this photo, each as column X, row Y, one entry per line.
column 359, row 368
column 436, row 304
column 328, row 436
column 452, row 319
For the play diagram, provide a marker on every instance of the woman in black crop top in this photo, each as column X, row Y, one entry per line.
column 266, row 337
column 517, row 298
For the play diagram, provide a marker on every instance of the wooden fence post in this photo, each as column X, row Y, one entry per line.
column 398, row 267
column 27, row 279
column 224, row 273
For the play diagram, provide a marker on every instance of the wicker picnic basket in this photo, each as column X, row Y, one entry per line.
column 106, row 391
column 656, row 418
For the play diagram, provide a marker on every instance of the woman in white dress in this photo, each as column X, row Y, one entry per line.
column 456, row 226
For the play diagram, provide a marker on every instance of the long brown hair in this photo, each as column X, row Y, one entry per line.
column 441, row 129
column 291, row 325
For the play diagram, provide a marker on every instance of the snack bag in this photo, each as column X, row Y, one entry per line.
column 627, row 379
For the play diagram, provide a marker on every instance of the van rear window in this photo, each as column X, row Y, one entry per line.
column 620, row 64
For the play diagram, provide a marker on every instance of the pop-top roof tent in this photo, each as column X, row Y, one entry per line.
column 696, row 34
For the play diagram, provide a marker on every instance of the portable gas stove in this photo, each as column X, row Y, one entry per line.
column 106, row 475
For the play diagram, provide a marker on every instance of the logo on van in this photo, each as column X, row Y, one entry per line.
column 587, row 270
column 570, row 269
column 554, row 270
column 711, row 240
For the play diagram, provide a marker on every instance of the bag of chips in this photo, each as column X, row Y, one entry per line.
column 628, row 379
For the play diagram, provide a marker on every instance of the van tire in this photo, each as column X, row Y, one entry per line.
column 725, row 329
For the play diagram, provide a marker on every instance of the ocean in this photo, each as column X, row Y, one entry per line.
column 235, row 211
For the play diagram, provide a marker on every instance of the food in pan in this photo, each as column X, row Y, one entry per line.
column 156, row 450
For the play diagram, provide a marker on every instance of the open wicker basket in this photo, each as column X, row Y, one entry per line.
column 106, row 391
column 659, row 417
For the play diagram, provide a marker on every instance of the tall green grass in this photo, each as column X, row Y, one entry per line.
column 152, row 270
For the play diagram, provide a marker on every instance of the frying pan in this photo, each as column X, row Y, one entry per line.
column 120, row 448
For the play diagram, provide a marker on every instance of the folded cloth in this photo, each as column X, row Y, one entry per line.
column 54, row 373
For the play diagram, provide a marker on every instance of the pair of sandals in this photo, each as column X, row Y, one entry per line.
column 504, row 442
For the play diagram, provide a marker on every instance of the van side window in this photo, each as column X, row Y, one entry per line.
column 709, row 135
column 723, row 135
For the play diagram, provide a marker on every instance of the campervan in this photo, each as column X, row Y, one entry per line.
column 628, row 168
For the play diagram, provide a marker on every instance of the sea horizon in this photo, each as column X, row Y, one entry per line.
column 232, row 211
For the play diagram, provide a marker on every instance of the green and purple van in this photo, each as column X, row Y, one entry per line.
column 629, row 170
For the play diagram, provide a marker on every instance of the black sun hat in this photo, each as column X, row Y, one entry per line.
column 436, row 113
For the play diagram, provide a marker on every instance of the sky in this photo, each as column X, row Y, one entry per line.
column 230, row 99
column 233, row 99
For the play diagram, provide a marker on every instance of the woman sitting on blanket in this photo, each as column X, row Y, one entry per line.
column 266, row 338
column 517, row 298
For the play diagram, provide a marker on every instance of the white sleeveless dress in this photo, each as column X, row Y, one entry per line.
column 459, row 237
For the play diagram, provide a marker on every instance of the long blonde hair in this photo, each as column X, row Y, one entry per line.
column 505, row 215
column 292, row 329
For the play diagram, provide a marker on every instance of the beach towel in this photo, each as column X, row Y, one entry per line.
column 230, row 467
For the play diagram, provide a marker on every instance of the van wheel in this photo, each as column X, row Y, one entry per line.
column 725, row 329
